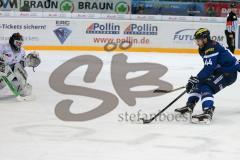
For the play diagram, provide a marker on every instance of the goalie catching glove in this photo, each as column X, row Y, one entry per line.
column 32, row 60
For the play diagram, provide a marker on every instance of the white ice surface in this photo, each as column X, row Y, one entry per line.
column 31, row 131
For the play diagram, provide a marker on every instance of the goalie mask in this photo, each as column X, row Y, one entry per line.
column 16, row 41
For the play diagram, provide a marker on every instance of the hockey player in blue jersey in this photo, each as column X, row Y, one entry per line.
column 219, row 71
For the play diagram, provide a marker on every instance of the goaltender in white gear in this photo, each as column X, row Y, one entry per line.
column 13, row 60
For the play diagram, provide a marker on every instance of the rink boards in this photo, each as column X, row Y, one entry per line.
column 166, row 36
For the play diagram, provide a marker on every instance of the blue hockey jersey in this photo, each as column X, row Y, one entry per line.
column 216, row 57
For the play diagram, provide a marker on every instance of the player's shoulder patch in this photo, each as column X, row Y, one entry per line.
column 211, row 55
column 210, row 50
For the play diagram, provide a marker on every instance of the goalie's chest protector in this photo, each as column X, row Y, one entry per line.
column 12, row 57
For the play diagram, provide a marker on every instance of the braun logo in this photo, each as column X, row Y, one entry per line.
column 62, row 23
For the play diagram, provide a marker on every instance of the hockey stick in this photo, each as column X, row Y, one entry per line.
column 9, row 84
column 14, row 90
column 165, row 91
column 146, row 121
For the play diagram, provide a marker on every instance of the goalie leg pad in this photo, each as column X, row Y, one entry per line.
column 2, row 84
column 9, row 75
column 20, row 81
column 21, row 74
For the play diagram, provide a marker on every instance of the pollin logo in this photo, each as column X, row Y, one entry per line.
column 107, row 28
column 145, row 29
column 62, row 34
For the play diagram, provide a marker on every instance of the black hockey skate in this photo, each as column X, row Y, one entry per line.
column 204, row 118
column 188, row 109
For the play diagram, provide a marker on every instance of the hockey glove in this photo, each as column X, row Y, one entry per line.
column 33, row 60
column 192, row 84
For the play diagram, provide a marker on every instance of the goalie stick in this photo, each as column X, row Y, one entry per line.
column 14, row 90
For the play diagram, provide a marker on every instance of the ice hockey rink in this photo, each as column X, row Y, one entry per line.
column 32, row 131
